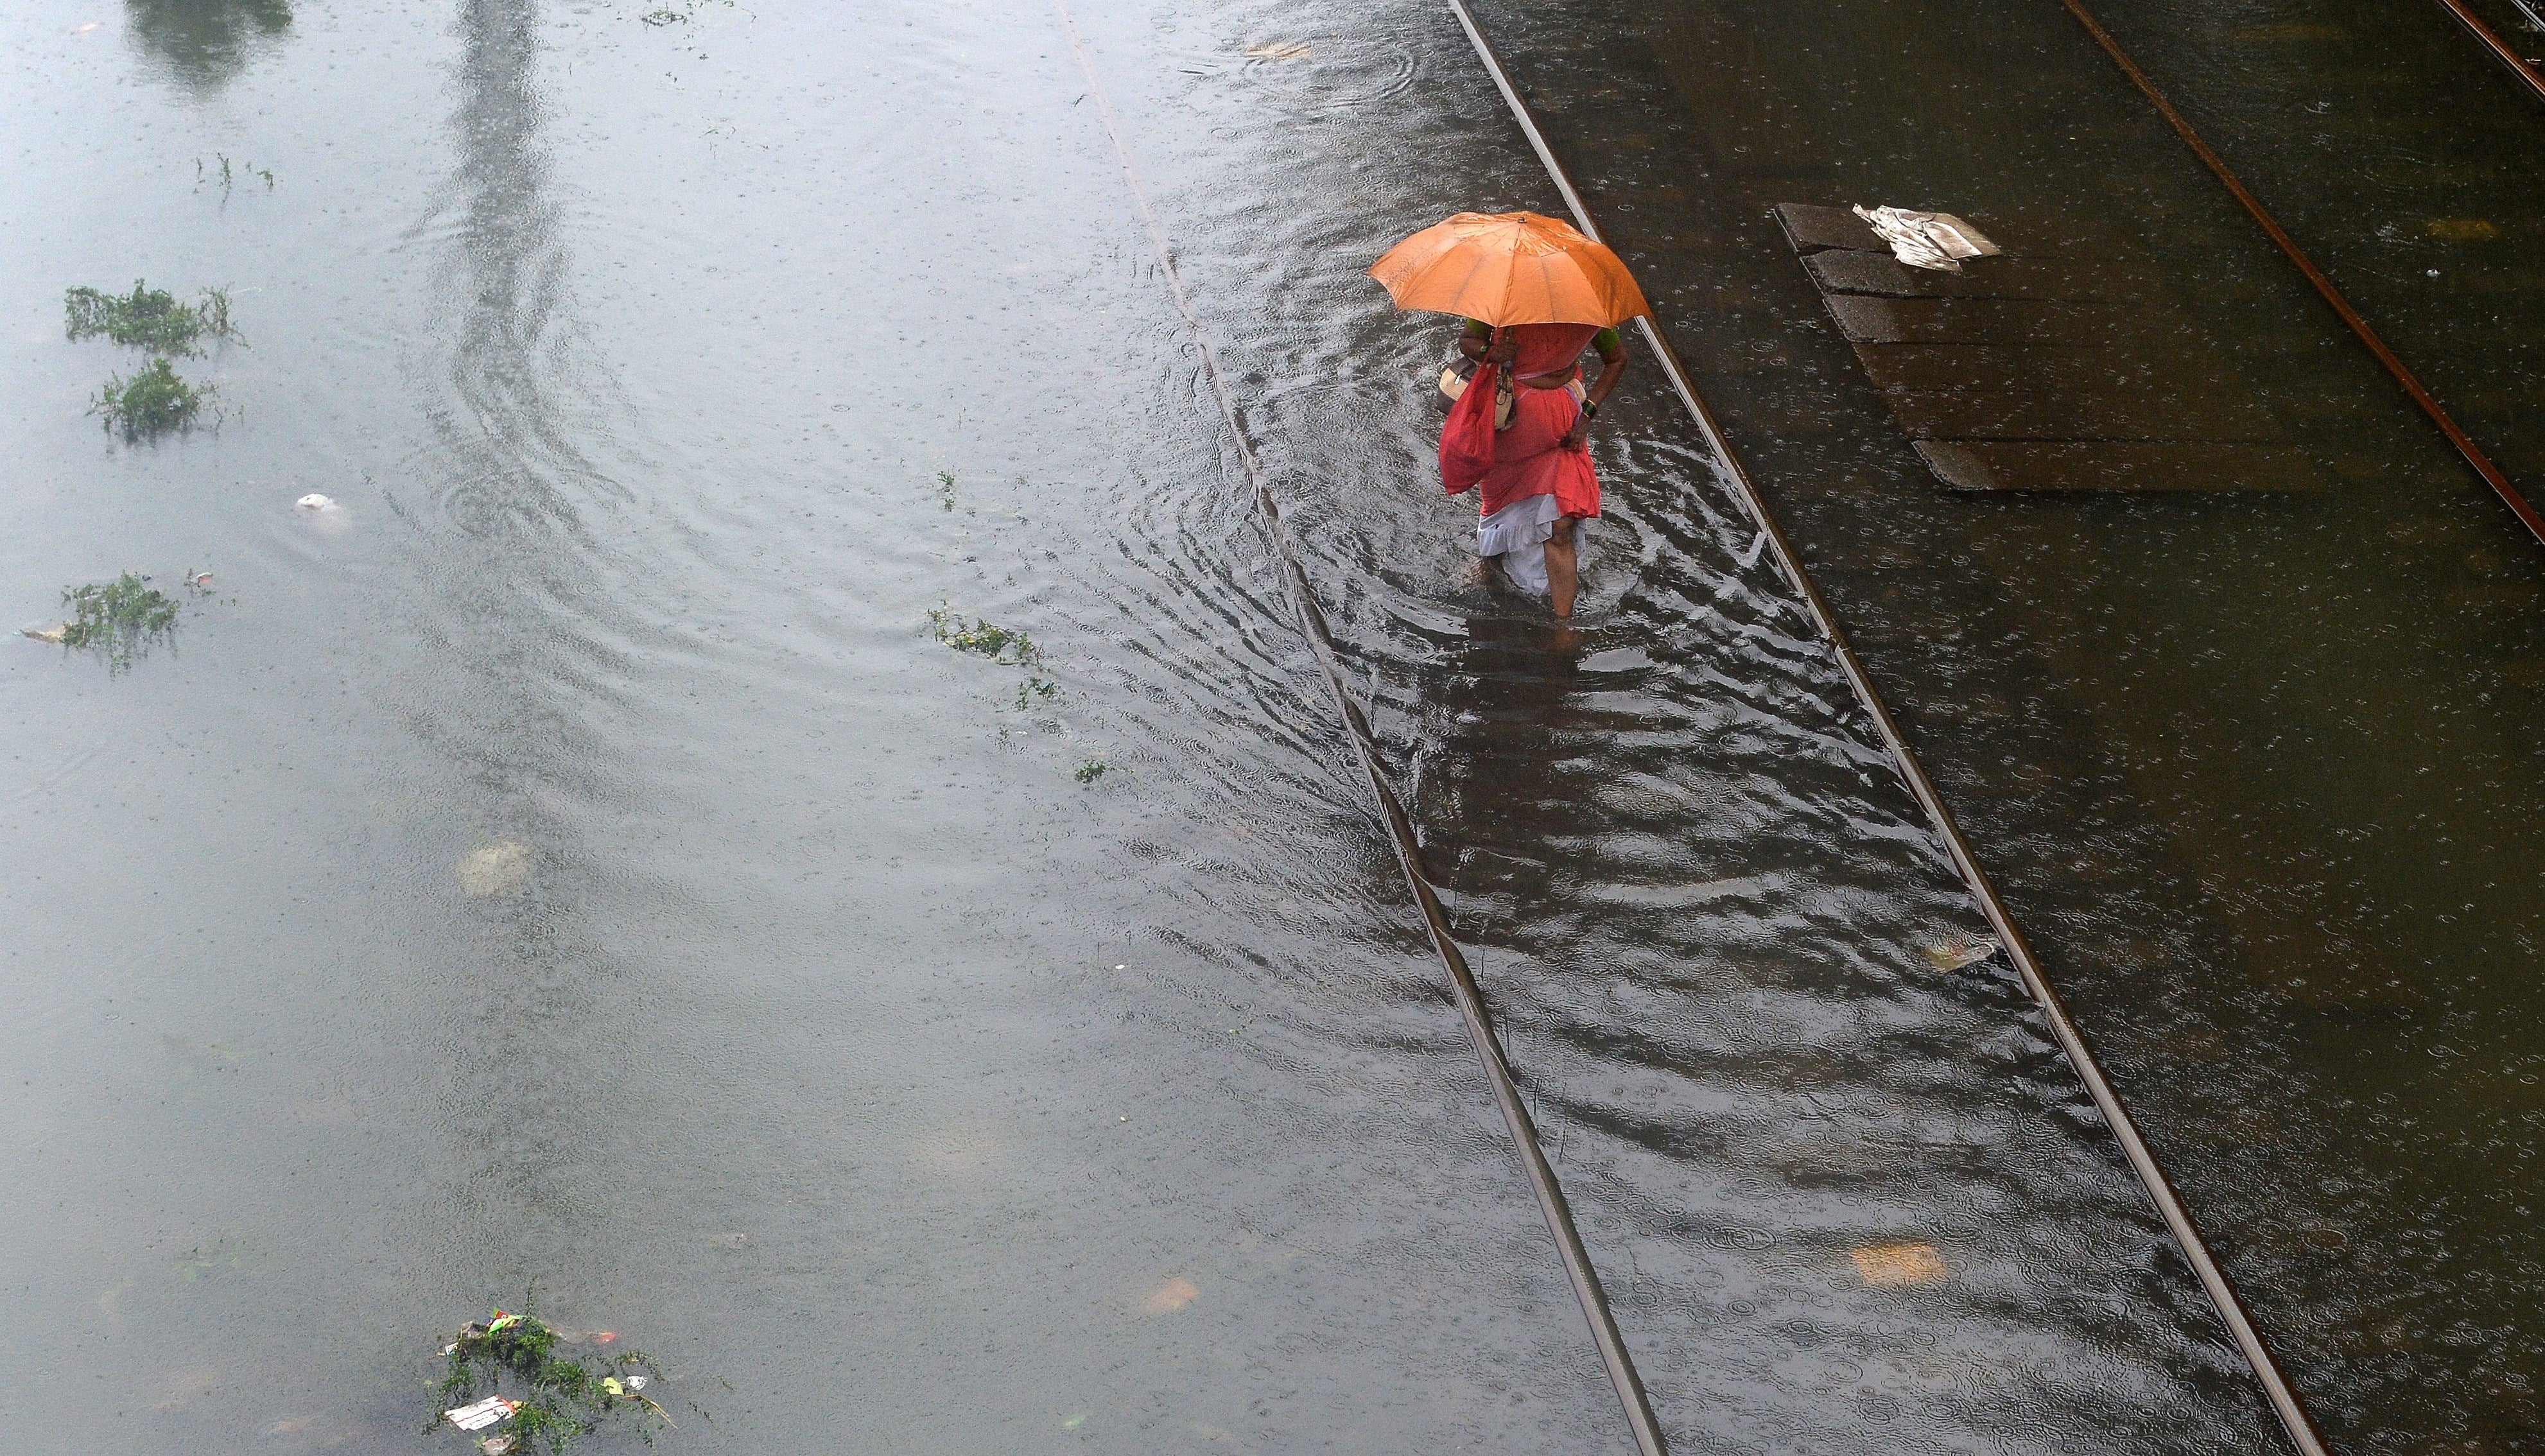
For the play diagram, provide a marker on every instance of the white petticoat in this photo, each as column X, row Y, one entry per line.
column 1517, row 533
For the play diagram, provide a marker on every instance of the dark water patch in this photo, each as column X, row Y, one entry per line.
column 204, row 45
column 2249, row 769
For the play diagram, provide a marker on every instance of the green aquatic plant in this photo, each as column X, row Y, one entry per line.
column 945, row 488
column 1035, row 689
column 245, row 168
column 149, row 318
column 985, row 638
column 1090, row 770
column 554, row 1396
column 154, row 400
column 117, row 620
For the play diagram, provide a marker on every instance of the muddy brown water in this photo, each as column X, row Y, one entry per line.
column 575, row 857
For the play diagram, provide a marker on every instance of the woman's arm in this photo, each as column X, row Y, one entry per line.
column 1480, row 345
column 1612, row 367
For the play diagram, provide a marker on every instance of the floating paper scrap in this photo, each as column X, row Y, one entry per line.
column 1897, row 1265
column 479, row 1415
column 1952, row 955
column 316, row 502
column 1928, row 239
column 1280, row 50
column 497, row 1446
column 46, row 634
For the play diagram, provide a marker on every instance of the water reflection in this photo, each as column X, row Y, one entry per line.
column 495, row 512
column 203, row 44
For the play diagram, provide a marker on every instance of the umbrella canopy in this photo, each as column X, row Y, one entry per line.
column 1510, row 267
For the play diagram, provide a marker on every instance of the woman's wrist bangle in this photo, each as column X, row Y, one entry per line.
column 1590, row 409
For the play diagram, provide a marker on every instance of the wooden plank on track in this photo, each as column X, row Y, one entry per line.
column 2050, row 414
column 1811, row 229
column 1842, row 271
column 2118, row 465
column 1866, row 320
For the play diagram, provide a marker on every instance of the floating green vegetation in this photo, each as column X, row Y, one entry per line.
column 1090, row 770
column 662, row 17
column 945, row 488
column 149, row 318
column 117, row 620
column 984, row 638
column 1036, row 689
column 228, row 176
column 153, row 402
column 554, row 1397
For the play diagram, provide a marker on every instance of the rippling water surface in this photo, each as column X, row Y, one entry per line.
column 575, row 856
column 2259, row 774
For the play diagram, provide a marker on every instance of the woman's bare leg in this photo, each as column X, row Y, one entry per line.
column 1563, row 567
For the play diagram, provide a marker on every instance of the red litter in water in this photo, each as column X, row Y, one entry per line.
column 604, row 1336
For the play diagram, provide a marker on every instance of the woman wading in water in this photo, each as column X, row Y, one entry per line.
column 1534, row 498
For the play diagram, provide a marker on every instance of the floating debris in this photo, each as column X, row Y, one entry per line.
column 149, row 318
column 316, row 502
column 984, row 638
column 152, row 402
column 559, row 1397
column 117, row 620
column 495, row 869
column 1960, row 951
column 1170, row 1297
column 2462, row 229
column 53, row 633
column 1090, row 772
column 1281, row 50
column 1933, row 240
column 479, row 1414
column 1899, row 1266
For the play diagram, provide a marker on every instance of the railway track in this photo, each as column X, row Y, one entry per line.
column 2429, row 403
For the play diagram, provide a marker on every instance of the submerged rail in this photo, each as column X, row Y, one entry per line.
column 2499, row 48
column 2431, row 406
column 2187, row 1233
column 1400, row 825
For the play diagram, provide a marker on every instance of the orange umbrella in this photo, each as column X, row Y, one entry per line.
column 1510, row 267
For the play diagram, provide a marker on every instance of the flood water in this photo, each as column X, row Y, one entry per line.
column 2258, row 772
column 576, row 857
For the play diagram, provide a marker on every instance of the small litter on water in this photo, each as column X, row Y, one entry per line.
column 316, row 502
column 1281, row 50
column 53, row 633
column 497, row 1446
column 604, row 1336
column 1898, row 1266
column 479, row 1414
column 1174, row 1295
column 1936, row 240
column 1953, row 954
column 495, row 869
column 635, row 1382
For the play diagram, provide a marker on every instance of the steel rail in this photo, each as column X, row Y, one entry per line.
column 2499, row 48
column 1469, row 996
column 2431, row 406
column 2168, row 1203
